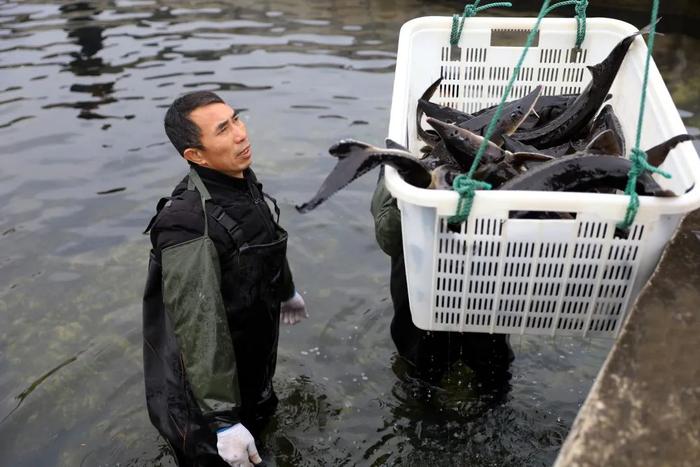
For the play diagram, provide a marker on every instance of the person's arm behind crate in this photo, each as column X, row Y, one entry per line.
column 387, row 219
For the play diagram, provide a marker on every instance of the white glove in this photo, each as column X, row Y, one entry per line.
column 293, row 310
column 237, row 447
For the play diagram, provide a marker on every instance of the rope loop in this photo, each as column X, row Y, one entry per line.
column 580, row 9
column 464, row 185
column 466, row 188
column 637, row 156
column 639, row 165
column 470, row 10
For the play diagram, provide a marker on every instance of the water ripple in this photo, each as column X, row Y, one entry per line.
column 84, row 159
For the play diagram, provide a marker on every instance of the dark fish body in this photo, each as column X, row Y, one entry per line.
column 443, row 113
column 443, row 177
column 513, row 145
column 607, row 120
column 579, row 112
column 512, row 115
column 550, row 107
column 463, row 144
column 509, row 167
column 583, row 173
column 441, row 155
column 546, row 109
column 496, row 174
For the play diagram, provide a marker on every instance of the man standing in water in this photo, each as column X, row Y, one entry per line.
column 432, row 353
column 218, row 285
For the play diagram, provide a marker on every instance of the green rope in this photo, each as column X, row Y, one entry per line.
column 639, row 165
column 466, row 187
column 469, row 11
column 580, row 9
column 638, row 156
column 464, row 184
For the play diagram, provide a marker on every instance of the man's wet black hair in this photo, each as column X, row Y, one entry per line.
column 182, row 131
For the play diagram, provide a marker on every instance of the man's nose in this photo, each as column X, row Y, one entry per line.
column 240, row 134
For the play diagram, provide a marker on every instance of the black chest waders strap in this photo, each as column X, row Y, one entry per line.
column 231, row 226
column 253, row 189
column 193, row 182
column 217, row 212
column 274, row 203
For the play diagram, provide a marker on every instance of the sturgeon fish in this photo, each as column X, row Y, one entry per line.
column 578, row 113
column 584, row 173
column 356, row 158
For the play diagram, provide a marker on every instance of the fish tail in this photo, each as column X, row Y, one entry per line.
column 346, row 147
column 647, row 29
column 657, row 155
column 431, row 89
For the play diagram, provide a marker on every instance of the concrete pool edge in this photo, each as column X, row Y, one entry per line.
column 644, row 406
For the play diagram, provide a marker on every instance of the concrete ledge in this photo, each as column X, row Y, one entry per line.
column 644, row 407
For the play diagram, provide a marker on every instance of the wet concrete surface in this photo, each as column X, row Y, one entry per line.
column 644, row 408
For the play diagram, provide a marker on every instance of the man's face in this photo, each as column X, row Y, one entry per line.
column 224, row 140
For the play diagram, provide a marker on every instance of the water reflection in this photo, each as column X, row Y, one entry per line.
column 84, row 160
column 80, row 27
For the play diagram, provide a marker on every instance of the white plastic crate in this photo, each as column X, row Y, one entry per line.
column 501, row 275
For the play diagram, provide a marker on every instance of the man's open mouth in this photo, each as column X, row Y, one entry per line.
column 244, row 153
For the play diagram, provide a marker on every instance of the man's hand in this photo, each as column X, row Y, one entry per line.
column 293, row 310
column 237, row 447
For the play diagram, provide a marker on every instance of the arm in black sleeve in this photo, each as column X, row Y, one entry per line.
column 192, row 300
column 287, row 287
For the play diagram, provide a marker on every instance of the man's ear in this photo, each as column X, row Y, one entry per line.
column 195, row 156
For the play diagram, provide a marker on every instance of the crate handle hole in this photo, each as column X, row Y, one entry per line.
column 455, row 53
column 512, row 38
column 549, row 215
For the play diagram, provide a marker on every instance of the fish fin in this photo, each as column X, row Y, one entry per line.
column 595, row 70
column 657, row 155
column 355, row 159
column 423, row 134
column 513, row 145
column 665, row 194
column 530, row 156
column 345, row 147
column 420, row 111
column 604, row 143
column 431, row 89
column 391, row 144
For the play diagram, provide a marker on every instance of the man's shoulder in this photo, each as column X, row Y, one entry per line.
column 182, row 209
column 182, row 219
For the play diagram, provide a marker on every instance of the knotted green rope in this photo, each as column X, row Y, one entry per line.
column 464, row 184
column 466, row 187
column 469, row 11
column 638, row 156
column 639, row 165
column 580, row 9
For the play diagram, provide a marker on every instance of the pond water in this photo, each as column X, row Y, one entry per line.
column 83, row 90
